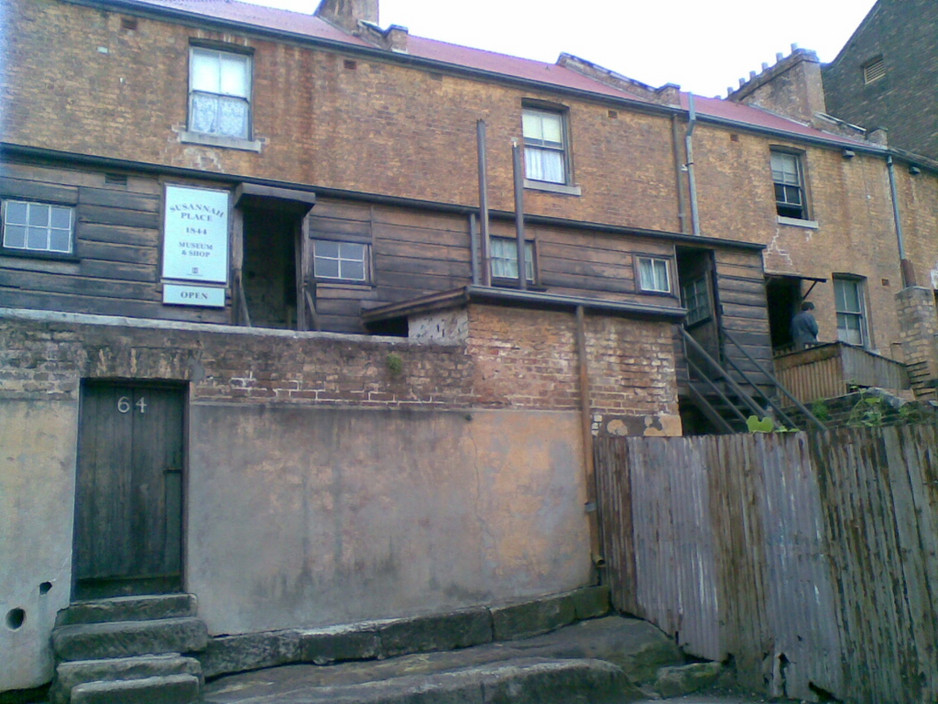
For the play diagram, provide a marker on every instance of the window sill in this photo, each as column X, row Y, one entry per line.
column 38, row 256
column 548, row 187
column 797, row 222
column 344, row 283
column 215, row 140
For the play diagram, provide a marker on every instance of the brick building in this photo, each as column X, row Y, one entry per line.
column 253, row 245
column 886, row 75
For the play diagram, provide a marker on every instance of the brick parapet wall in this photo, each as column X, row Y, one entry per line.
column 512, row 358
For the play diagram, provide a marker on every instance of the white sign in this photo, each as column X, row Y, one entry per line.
column 195, row 235
column 181, row 295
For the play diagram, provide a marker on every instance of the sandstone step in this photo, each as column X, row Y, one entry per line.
column 514, row 681
column 128, row 608
column 95, row 641
column 172, row 689
column 69, row 675
column 603, row 659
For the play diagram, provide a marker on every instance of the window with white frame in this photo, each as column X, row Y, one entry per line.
column 696, row 298
column 545, row 145
column 342, row 261
column 788, row 179
column 504, row 252
column 37, row 228
column 848, row 301
column 653, row 275
column 219, row 92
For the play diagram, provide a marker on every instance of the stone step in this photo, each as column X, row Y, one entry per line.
column 514, row 681
column 172, row 689
column 95, row 641
column 128, row 608
column 604, row 659
column 69, row 675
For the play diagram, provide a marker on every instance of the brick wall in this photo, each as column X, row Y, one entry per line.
column 919, row 325
column 513, row 358
column 905, row 34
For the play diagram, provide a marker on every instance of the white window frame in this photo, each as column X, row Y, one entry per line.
column 846, row 312
column 537, row 148
column 220, row 94
column 791, row 181
column 504, row 259
column 37, row 222
column 347, row 255
column 658, row 265
column 695, row 296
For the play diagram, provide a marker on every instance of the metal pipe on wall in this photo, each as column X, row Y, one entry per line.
column 486, row 266
column 691, row 179
column 905, row 266
column 519, row 212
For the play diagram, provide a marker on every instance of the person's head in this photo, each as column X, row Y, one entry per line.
column 807, row 305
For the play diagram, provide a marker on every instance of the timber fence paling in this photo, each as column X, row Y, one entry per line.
column 813, row 559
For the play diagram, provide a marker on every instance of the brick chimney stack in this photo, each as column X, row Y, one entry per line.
column 791, row 87
column 348, row 13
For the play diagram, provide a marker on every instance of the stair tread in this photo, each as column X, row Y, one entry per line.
column 583, row 657
column 128, row 608
column 169, row 689
column 94, row 641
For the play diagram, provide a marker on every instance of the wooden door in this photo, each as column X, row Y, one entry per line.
column 128, row 512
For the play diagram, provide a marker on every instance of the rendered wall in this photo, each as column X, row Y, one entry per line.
column 37, row 483
column 304, row 516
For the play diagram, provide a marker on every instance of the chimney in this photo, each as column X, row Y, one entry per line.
column 346, row 14
column 791, row 87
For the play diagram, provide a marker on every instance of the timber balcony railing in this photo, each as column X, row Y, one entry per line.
column 834, row 369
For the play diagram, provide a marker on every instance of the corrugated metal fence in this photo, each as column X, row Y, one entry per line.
column 811, row 560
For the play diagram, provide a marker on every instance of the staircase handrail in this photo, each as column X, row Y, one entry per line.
column 778, row 385
column 753, row 406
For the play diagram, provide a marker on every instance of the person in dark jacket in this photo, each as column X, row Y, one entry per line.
column 804, row 327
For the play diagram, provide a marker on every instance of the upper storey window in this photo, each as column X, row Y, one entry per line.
column 219, row 93
column 788, row 178
column 545, row 146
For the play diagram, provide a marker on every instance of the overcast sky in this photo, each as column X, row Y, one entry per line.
column 704, row 46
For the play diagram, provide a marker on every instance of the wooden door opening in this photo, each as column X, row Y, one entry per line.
column 129, row 490
column 270, row 271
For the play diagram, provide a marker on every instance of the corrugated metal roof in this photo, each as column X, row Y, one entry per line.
column 308, row 25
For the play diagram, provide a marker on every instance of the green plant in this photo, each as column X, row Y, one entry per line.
column 868, row 412
column 820, row 411
column 766, row 425
column 395, row 363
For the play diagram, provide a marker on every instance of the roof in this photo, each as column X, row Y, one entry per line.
column 307, row 26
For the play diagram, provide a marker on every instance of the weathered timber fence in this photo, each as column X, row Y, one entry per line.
column 810, row 559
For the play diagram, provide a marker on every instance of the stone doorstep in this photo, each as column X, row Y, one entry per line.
column 94, row 641
column 171, row 689
column 395, row 637
column 69, row 675
column 128, row 608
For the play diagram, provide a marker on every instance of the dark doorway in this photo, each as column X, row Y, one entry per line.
column 129, row 491
column 698, row 294
column 270, row 267
column 783, row 296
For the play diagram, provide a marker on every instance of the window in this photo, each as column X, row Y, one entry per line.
column 545, row 150
column 505, row 258
column 789, row 185
column 696, row 299
column 347, row 261
column 219, row 93
column 874, row 69
column 37, row 228
column 848, row 298
column 653, row 275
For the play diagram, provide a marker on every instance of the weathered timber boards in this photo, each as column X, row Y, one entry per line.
column 813, row 559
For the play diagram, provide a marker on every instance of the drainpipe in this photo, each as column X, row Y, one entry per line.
column 689, row 149
column 519, row 214
column 679, row 182
column 908, row 273
column 485, row 264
